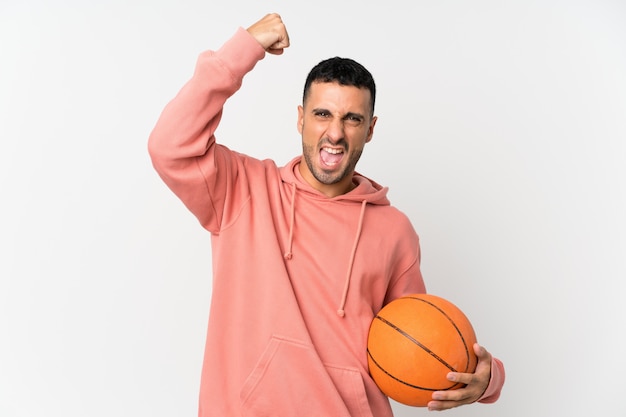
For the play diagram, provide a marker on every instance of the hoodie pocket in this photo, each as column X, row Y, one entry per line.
column 290, row 380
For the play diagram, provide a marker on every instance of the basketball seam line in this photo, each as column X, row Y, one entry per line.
column 398, row 379
column 412, row 339
column 467, row 353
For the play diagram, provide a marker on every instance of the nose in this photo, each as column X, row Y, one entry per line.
column 335, row 131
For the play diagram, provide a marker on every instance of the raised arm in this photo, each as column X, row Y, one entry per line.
column 182, row 144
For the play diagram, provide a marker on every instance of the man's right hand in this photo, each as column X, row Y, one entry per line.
column 271, row 33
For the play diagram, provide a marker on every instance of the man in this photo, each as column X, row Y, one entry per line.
column 303, row 255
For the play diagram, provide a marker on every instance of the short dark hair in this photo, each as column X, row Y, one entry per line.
column 344, row 71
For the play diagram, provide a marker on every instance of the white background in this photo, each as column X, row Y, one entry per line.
column 501, row 133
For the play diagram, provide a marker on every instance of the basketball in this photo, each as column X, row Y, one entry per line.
column 413, row 342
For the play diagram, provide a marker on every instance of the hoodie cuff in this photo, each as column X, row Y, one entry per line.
column 240, row 53
column 492, row 393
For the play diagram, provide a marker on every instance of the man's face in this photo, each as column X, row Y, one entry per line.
column 335, row 124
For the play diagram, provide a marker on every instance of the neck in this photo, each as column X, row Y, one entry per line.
column 329, row 190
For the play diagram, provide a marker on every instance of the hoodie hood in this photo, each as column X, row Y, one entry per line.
column 366, row 192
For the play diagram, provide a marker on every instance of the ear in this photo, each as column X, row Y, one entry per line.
column 370, row 132
column 300, row 119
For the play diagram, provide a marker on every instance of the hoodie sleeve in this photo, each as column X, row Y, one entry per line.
column 182, row 144
column 407, row 275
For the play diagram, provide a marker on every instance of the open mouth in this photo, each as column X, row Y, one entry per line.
column 331, row 157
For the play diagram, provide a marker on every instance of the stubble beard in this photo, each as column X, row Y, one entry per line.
column 329, row 178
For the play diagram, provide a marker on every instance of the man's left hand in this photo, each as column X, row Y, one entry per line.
column 475, row 384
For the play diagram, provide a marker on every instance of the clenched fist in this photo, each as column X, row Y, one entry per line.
column 271, row 33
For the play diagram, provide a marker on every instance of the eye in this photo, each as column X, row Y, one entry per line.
column 354, row 120
column 321, row 113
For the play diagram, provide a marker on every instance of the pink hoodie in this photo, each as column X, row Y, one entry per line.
column 297, row 276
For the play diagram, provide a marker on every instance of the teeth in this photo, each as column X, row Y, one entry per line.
column 333, row 151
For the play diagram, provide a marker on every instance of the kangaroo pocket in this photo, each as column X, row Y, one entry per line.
column 290, row 380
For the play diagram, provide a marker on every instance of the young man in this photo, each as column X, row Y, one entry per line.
column 303, row 255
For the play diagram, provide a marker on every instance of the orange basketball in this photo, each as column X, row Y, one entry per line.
column 413, row 342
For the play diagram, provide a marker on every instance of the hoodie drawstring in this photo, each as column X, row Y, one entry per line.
column 288, row 255
column 341, row 312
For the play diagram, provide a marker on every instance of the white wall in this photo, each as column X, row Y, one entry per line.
column 501, row 134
